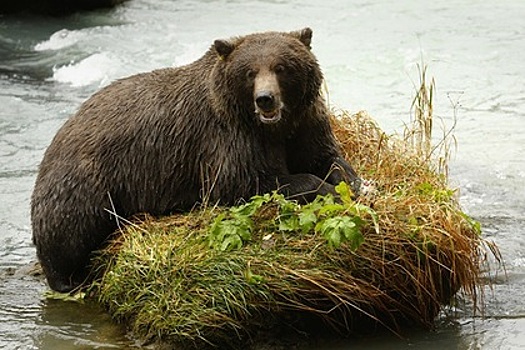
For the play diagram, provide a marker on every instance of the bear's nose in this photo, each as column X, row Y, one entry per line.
column 265, row 101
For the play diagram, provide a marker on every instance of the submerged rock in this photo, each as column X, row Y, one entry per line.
column 54, row 7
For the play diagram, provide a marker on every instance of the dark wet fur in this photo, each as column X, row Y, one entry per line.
column 167, row 140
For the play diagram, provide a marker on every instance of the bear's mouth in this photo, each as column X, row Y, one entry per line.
column 269, row 117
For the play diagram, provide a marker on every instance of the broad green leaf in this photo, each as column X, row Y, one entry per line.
column 331, row 209
column 288, row 207
column 229, row 234
column 307, row 220
column 231, row 242
column 353, row 236
column 249, row 208
column 340, row 229
column 345, row 193
column 329, row 228
column 333, row 236
column 245, row 210
column 289, row 223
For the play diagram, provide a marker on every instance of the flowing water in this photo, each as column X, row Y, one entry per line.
column 368, row 51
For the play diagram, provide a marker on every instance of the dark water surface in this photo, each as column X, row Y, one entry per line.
column 368, row 51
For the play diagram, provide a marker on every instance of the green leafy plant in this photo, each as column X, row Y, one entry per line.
column 338, row 221
column 227, row 234
column 338, row 230
column 438, row 194
column 230, row 229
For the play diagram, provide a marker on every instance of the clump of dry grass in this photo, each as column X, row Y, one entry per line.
column 166, row 280
column 430, row 240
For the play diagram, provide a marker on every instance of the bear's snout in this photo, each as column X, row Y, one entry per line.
column 268, row 107
column 267, row 97
column 265, row 101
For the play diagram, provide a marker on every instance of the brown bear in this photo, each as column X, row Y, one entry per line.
column 245, row 118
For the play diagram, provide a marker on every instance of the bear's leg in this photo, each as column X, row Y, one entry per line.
column 64, row 247
column 65, row 254
column 69, row 223
column 63, row 280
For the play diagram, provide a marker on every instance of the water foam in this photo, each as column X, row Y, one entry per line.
column 59, row 40
column 99, row 68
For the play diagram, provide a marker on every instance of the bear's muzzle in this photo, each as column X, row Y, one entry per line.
column 268, row 107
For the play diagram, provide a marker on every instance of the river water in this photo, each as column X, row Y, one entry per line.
column 368, row 51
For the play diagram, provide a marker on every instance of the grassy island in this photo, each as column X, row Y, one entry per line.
column 398, row 253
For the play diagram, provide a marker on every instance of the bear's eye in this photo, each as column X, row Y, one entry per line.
column 279, row 68
column 250, row 74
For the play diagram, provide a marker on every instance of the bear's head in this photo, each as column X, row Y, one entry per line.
column 266, row 76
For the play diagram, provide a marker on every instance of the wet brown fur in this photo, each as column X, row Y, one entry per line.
column 166, row 140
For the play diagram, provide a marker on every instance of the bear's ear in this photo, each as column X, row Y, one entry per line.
column 224, row 48
column 304, row 35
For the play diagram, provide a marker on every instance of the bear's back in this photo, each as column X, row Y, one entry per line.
column 127, row 139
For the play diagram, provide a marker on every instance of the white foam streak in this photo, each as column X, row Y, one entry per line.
column 59, row 40
column 98, row 68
